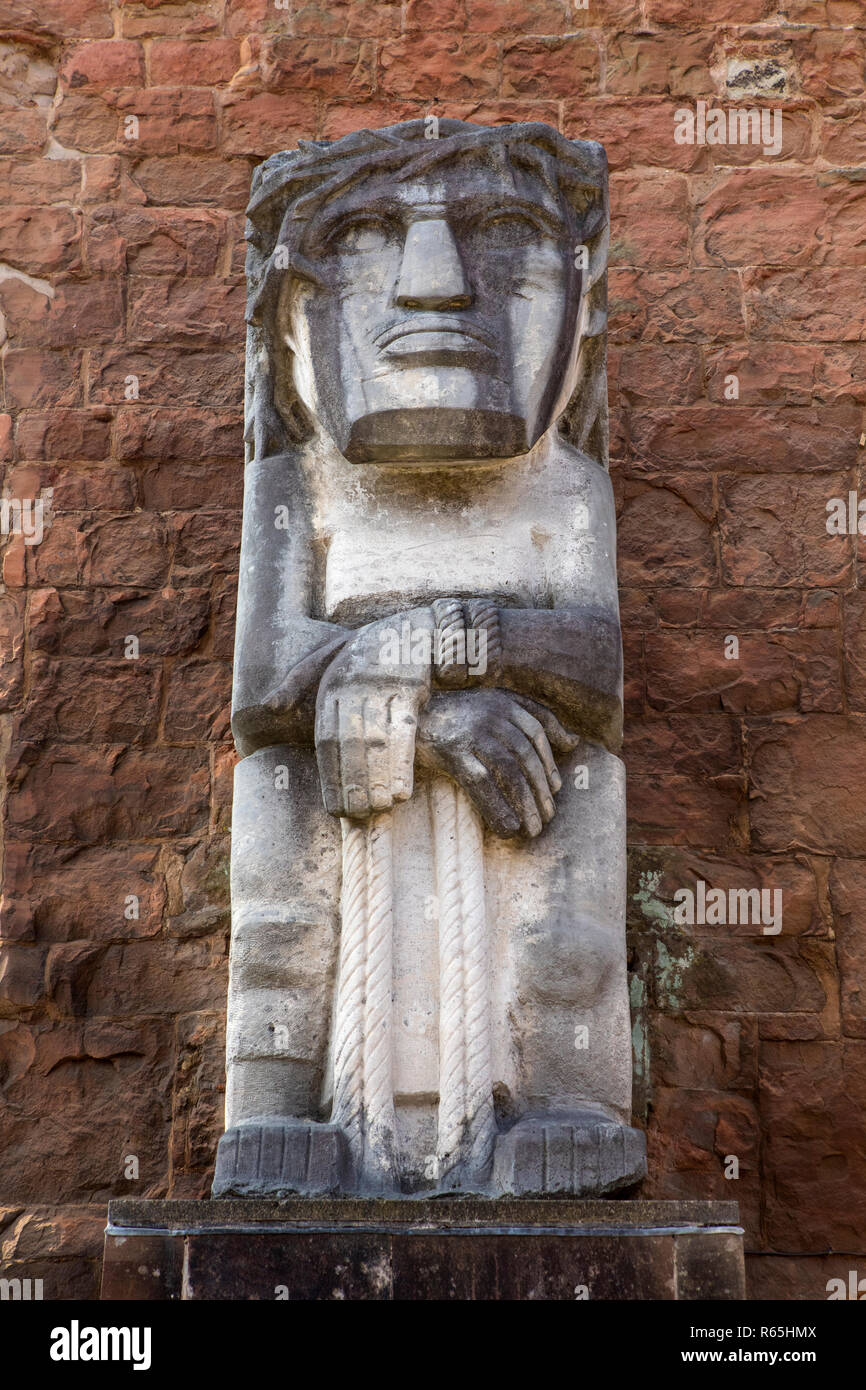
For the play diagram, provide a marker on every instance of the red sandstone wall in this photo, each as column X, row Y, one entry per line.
column 122, row 258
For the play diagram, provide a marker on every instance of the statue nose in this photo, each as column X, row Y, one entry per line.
column 432, row 275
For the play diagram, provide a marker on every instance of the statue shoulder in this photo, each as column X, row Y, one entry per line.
column 577, row 469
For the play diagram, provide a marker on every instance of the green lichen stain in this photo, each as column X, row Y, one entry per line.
column 670, row 972
column 674, row 955
column 217, row 879
column 658, row 913
column 639, row 1037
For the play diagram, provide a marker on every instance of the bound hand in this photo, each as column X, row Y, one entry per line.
column 367, row 713
column 500, row 748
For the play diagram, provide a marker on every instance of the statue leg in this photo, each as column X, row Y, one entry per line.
column 568, row 1064
column 285, row 928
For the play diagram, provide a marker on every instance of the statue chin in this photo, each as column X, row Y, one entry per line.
column 433, row 434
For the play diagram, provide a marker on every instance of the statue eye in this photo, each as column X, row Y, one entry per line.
column 503, row 230
column 358, row 235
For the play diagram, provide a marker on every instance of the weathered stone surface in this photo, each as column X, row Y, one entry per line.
column 806, row 777
column 669, row 809
column 818, row 222
column 88, row 794
column 855, row 650
column 778, row 524
column 200, row 313
column 793, row 1277
column 634, row 131
column 847, row 886
column 767, row 675
column 199, row 697
column 654, row 214
column 167, row 622
column 203, row 63
column 112, row 64
column 274, row 1159
column 72, row 1080
column 195, row 17
column 52, row 893
column 174, row 433
column 166, row 377
column 706, row 437
column 11, row 648
column 675, row 305
column 153, row 242
column 642, row 64
column 650, row 515
column 78, row 700
column 446, row 64
column 254, row 123
column 545, row 1157
column 40, row 240
column 63, row 18
column 815, row 1144
column 705, row 1052
column 815, row 304
column 190, row 181
column 42, row 378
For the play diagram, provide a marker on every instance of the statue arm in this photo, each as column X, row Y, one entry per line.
column 281, row 651
column 569, row 660
column 286, row 710
column 283, row 654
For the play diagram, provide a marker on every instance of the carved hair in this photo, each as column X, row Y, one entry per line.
column 291, row 187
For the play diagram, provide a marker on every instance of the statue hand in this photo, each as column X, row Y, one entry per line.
column 367, row 713
column 499, row 747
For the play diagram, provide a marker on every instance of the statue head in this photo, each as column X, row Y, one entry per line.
column 426, row 292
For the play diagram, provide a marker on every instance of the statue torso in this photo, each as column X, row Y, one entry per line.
column 537, row 531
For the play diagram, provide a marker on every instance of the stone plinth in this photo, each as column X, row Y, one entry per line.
column 462, row 1248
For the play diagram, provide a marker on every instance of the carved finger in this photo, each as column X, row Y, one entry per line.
column 402, row 724
column 511, row 781
column 353, row 760
column 534, row 731
column 477, row 782
column 378, row 754
column 328, row 752
column 560, row 739
column 531, row 764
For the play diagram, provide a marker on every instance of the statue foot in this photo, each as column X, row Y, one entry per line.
column 281, row 1158
column 582, row 1154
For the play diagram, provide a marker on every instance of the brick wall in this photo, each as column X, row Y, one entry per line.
column 127, row 135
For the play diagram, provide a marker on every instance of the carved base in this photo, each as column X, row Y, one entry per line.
column 581, row 1155
column 463, row 1248
column 281, row 1158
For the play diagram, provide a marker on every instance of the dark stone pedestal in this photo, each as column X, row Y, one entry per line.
column 455, row 1248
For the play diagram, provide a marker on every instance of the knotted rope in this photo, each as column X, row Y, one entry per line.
column 467, row 1126
column 363, row 1024
column 363, row 1030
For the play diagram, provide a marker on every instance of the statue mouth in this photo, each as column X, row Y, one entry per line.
column 435, row 337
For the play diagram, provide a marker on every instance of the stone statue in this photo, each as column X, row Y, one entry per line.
column 428, row 972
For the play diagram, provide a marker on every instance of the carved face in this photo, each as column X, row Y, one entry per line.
column 444, row 325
